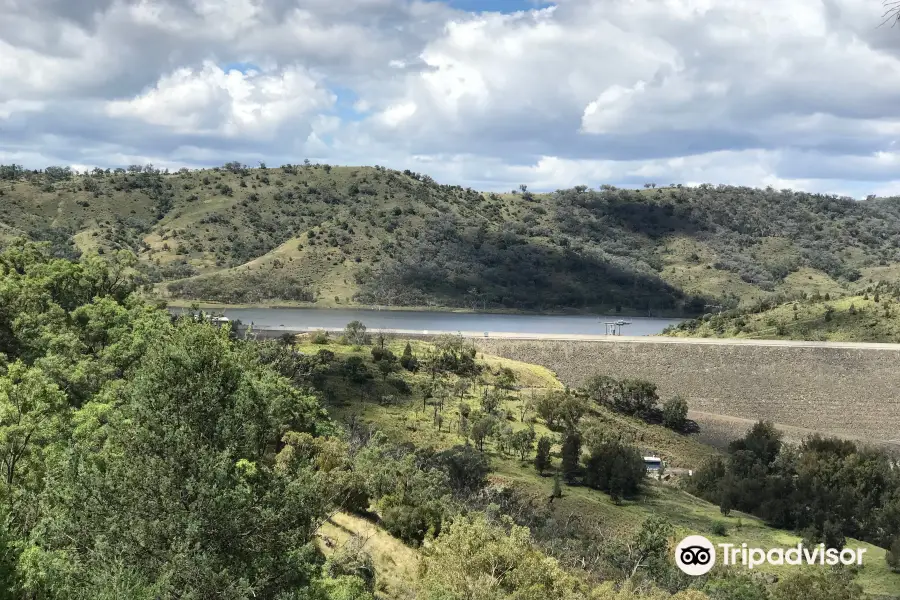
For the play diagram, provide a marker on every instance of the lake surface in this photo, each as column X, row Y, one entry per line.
column 292, row 319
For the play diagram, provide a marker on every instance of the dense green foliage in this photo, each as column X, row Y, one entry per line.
column 372, row 235
column 825, row 488
column 637, row 398
column 150, row 458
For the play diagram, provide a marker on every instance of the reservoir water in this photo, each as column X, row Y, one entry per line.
column 300, row 319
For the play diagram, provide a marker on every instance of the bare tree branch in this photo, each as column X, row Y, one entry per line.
column 891, row 12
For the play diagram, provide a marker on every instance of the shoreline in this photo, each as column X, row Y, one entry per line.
column 282, row 305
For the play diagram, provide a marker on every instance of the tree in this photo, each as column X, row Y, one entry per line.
column 387, row 365
column 616, row 469
column 482, row 428
column 180, row 469
column 571, row 409
column 602, row 389
column 674, row 414
column 355, row 333
column 637, row 397
column 407, row 360
column 466, row 469
column 571, row 456
column 542, row 458
column 522, row 442
column 547, row 407
column 762, row 441
column 33, row 413
column 507, row 378
column 646, row 551
column 491, row 400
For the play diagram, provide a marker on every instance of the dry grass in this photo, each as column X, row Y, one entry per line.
column 395, row 562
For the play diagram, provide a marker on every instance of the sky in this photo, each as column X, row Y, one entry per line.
column 801, row 94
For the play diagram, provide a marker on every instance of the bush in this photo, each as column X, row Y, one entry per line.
column 321, row 337
column 400, row 385
column 351, row 559
column 411, row 523
column 674, row 413
column 893, row 556
column 720, row 528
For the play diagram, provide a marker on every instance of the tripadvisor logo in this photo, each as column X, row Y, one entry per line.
column 696, row 555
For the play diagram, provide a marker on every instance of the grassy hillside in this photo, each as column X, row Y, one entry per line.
column 379, row 404
column 872, row 315
column 327, row 236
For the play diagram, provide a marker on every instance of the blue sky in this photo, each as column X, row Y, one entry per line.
column 591, row 92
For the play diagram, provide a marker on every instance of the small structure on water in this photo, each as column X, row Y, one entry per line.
column 615, row 327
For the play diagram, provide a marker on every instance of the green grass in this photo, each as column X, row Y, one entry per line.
column 407, row 421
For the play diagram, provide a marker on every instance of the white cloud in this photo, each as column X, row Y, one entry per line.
column 211, row 101
column 804, row 93
column 396, row 114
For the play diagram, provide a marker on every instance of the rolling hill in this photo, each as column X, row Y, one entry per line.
column 870, row 315
column 326, row 236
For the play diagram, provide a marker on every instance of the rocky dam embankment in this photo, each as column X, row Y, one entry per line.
column 840, row 390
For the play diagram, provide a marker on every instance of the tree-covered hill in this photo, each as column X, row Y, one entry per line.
column 870, row 315
column 368, row 235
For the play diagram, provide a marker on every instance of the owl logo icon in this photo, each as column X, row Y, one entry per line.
column 695, row 555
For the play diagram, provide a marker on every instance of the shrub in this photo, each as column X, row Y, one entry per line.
column 400, row 385
column 893, row 556
column 351, row 559
column 719, row 528
column 321, row 338
column 674, row 413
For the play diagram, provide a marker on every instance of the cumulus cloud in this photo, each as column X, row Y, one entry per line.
column 802, row 93
column 233, row 103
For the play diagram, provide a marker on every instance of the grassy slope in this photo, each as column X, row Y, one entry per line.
column 226, row 224
column 853, row 318
column 395, row 562
column 405, row 420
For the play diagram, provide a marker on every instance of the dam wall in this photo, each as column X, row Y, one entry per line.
column 846, row 390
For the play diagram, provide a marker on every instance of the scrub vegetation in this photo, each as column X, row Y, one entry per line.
column 312, row 234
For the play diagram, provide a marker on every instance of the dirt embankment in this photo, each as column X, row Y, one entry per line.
column 849, row 392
